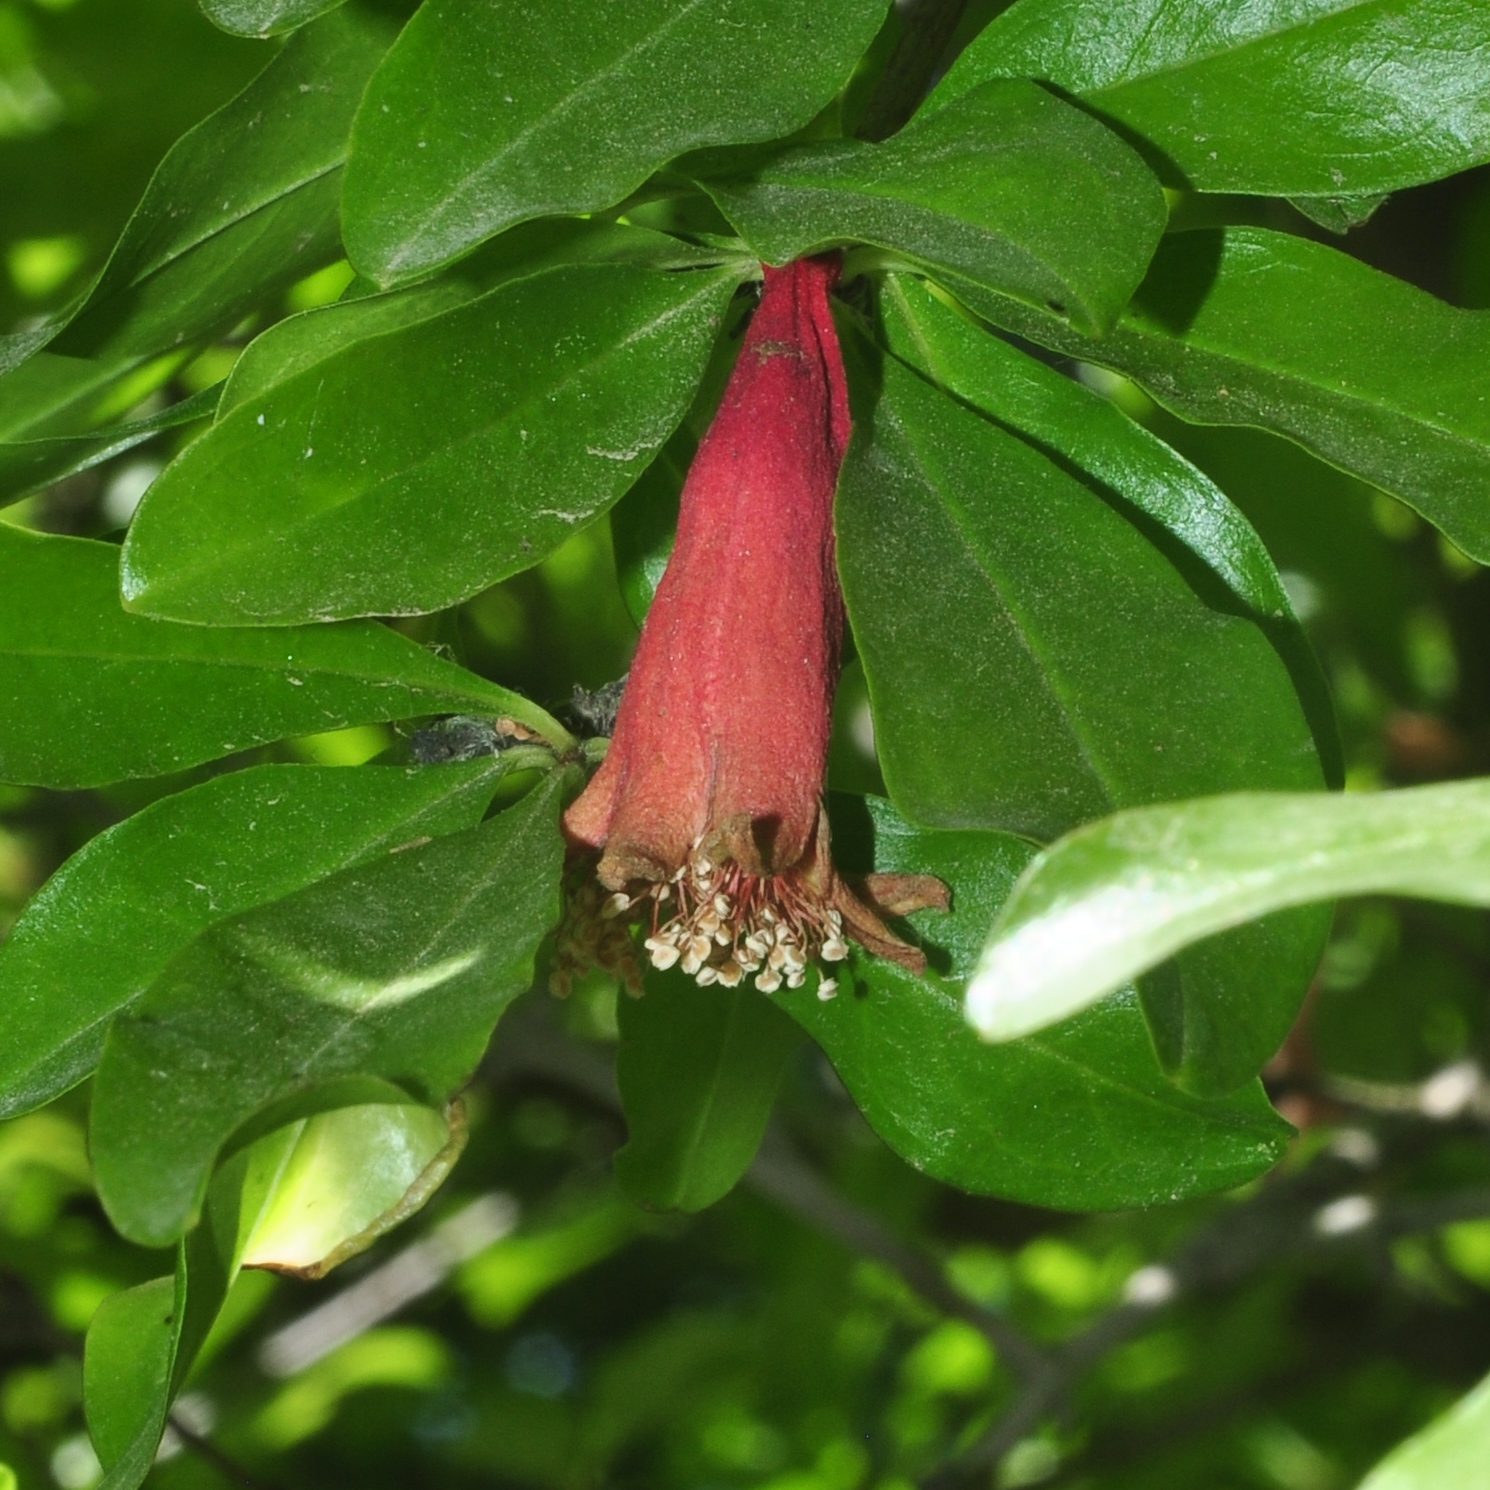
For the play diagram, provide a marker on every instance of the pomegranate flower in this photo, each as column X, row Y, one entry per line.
column 707, row 811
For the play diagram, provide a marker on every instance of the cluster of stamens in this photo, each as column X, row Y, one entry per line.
column 719, row 924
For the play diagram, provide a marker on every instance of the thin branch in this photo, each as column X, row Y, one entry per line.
column 1300, row 1214
column 209, row 1452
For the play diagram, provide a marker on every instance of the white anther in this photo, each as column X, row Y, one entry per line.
column 616, row 905
column 795, row 978
column 835, row 949
column 827, row 989
column 691, row 962
column 663, row 954
column 731, row 973
column 777, row 958
column 700, row 947
column 768, row 981
column 707, row 922
column 705, row 976
column 768, row 915
column 722, row 904
column 725, row 935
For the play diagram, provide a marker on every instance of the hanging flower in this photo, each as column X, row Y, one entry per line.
column 707, row 812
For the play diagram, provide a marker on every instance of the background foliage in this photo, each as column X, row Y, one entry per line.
column 411, row 372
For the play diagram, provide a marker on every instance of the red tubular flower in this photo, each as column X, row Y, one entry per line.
column 707, row 811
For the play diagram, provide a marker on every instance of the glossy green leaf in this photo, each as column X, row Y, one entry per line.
column 1454, row 1450
column 242, row 205
column 370, row 483
column 1009, row 187
column 490, row 112
column 90, row 694
column 104, row 926
column 1034, row 660
column 1224, row 1008
column 393, row 973
column 698, row 1070
column 301, row 1198
column 142, row 1343
column 1280, row 97
column 1118, row 896
column 345, row 1177
column 1077, row 1117
column 28, row 465
column 299, row 343
column 1085, row 429
column 126, row 1378
column 264, row 17
column 1370, row 374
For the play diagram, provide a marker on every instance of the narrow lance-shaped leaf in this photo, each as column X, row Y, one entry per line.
column 698, row 1070
column 90, row 694
column 1083, row 427
column 372, row 483
column 1077, row 1117
column 1254, row 327
column 1118, row 896
column 1319, row 98
column 1009, row 187
column 390, row 974
column 100, row 930
column 490, row 112
column 242, row 205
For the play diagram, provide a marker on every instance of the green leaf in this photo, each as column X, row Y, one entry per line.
column 1034, row 660
column 126, row 1377
column 1077, row 1117
column 1119, row 896
column 28, row 465
column 301, row 1199
column 1009, row 187
column 490, row 112
column 390, row 975
column 298, row 343
column 698, row 1070
column 1453, row 1450
column 90, row 694
column 1283, row 97
column 103, row 927
column 345, row 1177
column 1082, row 427
column 371, row 483
column 264, row 17
column 241, row 206
column 1372, row 375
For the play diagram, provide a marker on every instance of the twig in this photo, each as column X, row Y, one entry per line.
column 928, row 27
column 208, row 1451
column 1298, row 1214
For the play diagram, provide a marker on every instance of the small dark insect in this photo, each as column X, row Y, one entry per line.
column 461, row 737
column 594, row 710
